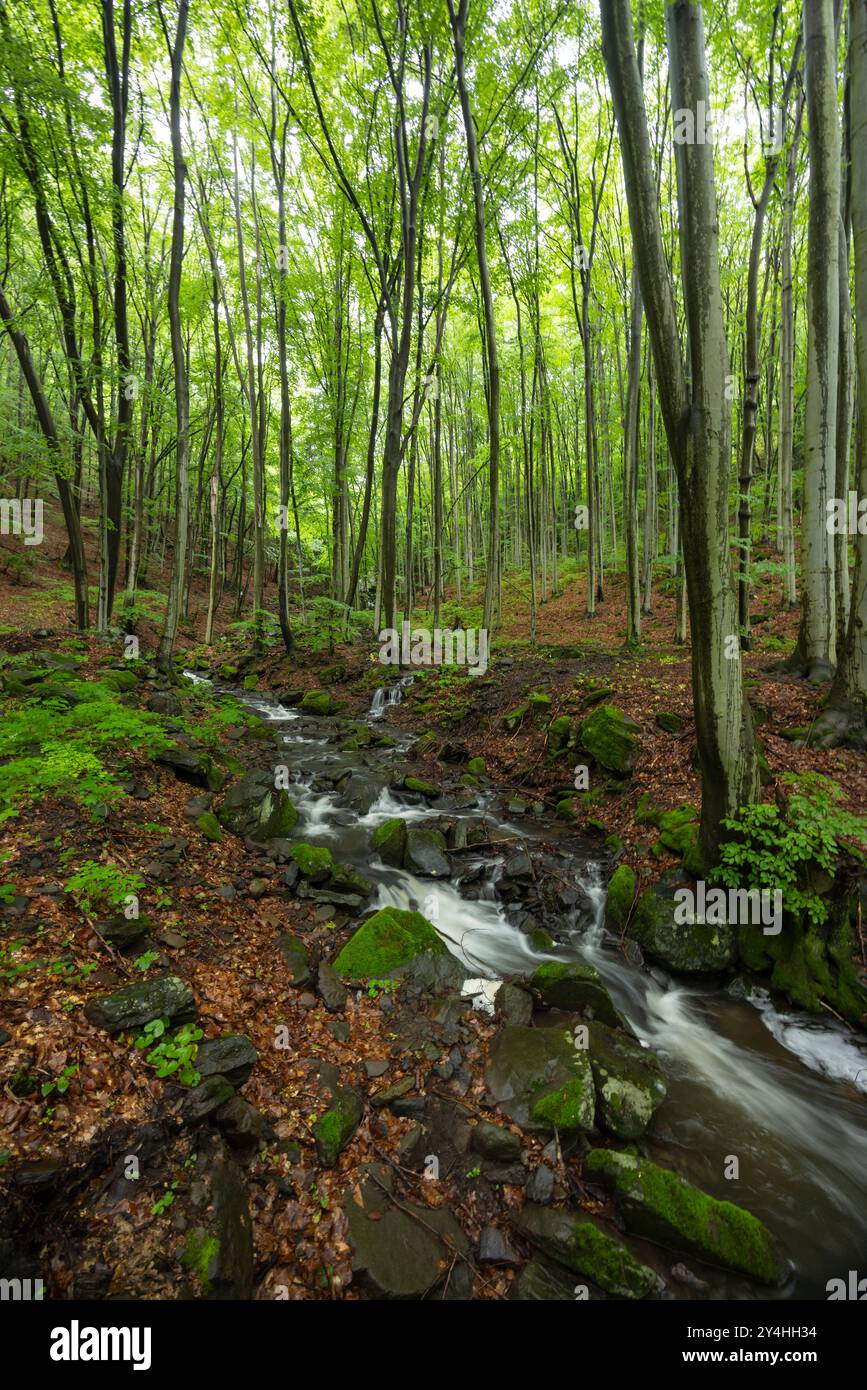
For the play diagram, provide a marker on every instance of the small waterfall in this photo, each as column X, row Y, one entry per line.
column 388, row 695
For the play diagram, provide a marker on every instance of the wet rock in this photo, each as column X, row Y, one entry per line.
column 137, row 1004
column 389, row 841
column 294, row 952
column 347, row 882
column 39, row 1177
column 164, row 702
column 424, row 853
column 332, row 993
column 495, row 1142
column 197, row 1103
column 360, row 790
column 629, row 1082
column 253, row 808
column 515, row 1005
column 314, row 862
column 540, row 1283
column 574, row 987
column 317, row 702
column 688, row 947
column 401, row 1257
column 620, row 898
column 494, row 1249
column 388, row 940
column 218, row 1255
column 123, row 933
column 375, row 1066
column 658, row 1204
column 541, row 1080
column 518, row 866
column 540, row 1185
column 334, row 1130
column 242, row 1126
column 231, row 1054
column 192, row 765
column 586, row 1250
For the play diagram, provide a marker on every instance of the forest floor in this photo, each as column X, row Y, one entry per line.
column 213, row 909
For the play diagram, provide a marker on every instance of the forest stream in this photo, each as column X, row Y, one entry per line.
column 783, row 1089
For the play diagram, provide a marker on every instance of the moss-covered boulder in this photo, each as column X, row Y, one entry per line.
column 255, row 808
column 539, row 702
column 316, row 702
column 388, row 940
column 333, row 1130
column 621, row 896
column 315, row 862
column 579, row 1245
column 629, row 1082
column 574, row 987
column 210, row 826
column 658, row 1204
column 477, row 767
column 429, row 790
column 689, row 947
column 815, row 963
column 345, row 879
column 669, row 722
column 541, row 1080
column 120, row 681
column 611, row 739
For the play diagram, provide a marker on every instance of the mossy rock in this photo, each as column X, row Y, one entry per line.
column 596, row 695
column 579, row 1245
column 315, row 862
column 251, row 681
column 333, row 1130
column 671, row 723
column 575, row 987
column 614, row 844
column 294, row 952
column 629, row 1082
column 389, row 841
column 391, row 938
column 316, row 702
column 611, row 739
column 134, row 1005
column 118, row 680
column 540, row 703
column 686, row 948
column 814, row 964
column 477, row 767
column 541, row 1080
column 210, row 826
column 560, row 737
column 422, row 788
column 621, row 896
column 346, row 879
column 566, row 808
column 515, row 718
column 661, row 1206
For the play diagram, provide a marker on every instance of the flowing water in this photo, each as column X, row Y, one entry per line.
column 780, row 1091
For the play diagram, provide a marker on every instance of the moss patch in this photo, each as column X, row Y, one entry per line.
column 386, row 941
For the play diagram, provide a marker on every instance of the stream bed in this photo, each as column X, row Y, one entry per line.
column 749, row 1078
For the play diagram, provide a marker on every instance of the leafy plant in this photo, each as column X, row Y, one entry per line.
column 102, row 884
column 146, row 960
column 772, row 850
column 171, row 1053
column 60, row 1083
